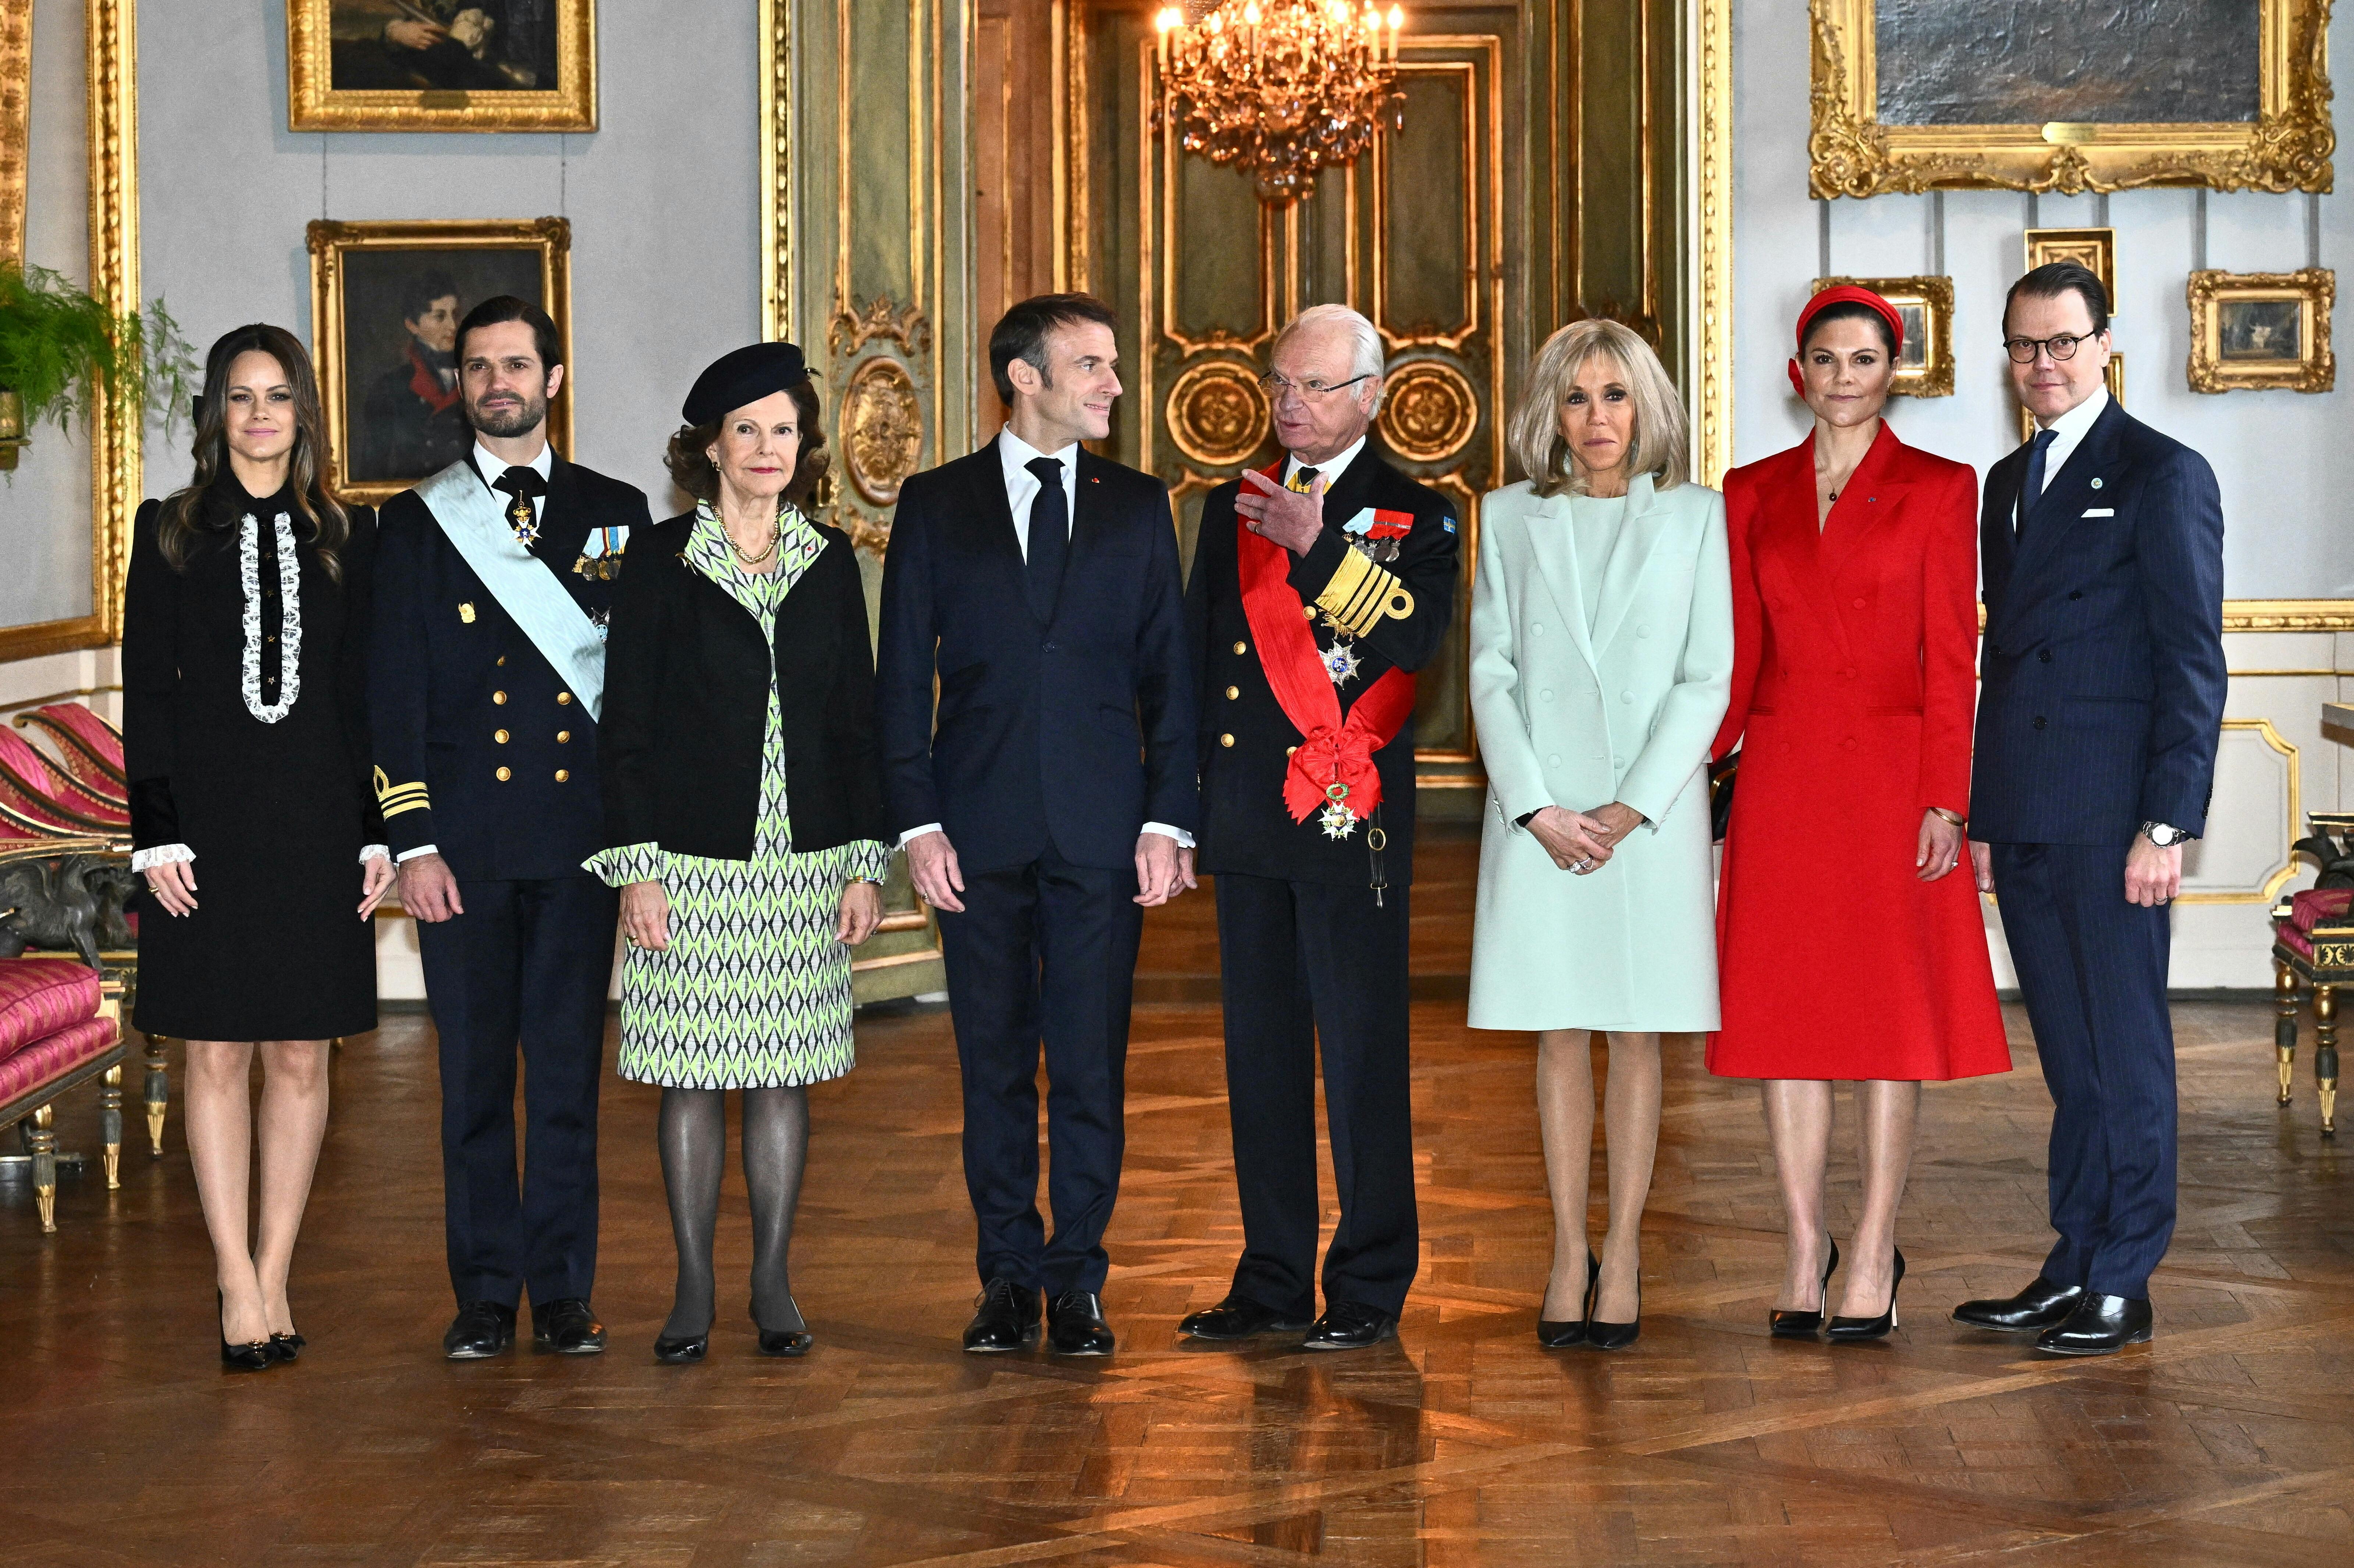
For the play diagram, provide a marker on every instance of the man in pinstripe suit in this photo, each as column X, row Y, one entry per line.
column 2100, row 704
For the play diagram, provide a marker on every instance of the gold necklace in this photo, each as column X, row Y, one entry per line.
column 776, row 533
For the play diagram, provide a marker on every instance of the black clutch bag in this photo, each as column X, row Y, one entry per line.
column 1721, row 776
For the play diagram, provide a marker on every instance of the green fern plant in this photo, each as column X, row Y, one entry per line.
column 59, row 348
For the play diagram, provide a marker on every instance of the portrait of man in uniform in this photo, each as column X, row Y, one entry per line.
column 412, row 421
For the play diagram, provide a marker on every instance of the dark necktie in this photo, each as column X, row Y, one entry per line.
column 1304, row 480
column 521, row 484
column 2033, row 493
column 1050, row 535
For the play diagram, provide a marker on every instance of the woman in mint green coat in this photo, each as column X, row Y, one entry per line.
column 1601, row 662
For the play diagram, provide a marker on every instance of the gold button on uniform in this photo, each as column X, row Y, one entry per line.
column 500, row 697
column 502, row 660
column 562, row 735
column 1225, row 740
column 1242, row 647
column 1233, row 691
column 500, row 735
column 563, row 699
column 561, row 775
column 505, row 774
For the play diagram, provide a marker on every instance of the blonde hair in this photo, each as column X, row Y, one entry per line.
column 1660, row 445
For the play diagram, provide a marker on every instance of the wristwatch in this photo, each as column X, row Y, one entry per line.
column 2164, row 836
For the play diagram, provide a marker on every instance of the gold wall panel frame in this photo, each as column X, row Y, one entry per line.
column 2293, row 828
column 1709, row 127
column 1217, row 413
column 2094, row 250
column 1429, row 412
column 329, row 240
column 111, row 61
column 2287, row 148
column 2314, row 290
column 16, row 123
column 313, row 104
column 1377, row 299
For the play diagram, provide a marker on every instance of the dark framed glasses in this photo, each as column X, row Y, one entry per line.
column 2024, row 350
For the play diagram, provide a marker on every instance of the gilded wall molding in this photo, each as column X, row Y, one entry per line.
column 1710, row 122
column 2288, row 615
column 16, row 122
column 778, row 205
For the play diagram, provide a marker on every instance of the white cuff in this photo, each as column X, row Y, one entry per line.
column 912, row 834
column 1184, row 839
column 405, row 856
column 374, row 852
column 161, row 854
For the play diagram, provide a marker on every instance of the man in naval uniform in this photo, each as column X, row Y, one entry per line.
column 494, row 579
column 1318, row 588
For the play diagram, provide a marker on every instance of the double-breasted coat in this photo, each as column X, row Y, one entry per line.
column 1851, row 702
column 1579, row 716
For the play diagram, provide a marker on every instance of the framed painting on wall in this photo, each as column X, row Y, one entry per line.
column 2258, row 331
column 2094, row 250
column 442, row 65
column 386, row 301
column 2057, row 95
column 1924, row 365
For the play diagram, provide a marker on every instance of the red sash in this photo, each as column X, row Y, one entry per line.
column 1334, row 761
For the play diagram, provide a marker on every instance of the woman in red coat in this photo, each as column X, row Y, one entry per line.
column 1848, row 949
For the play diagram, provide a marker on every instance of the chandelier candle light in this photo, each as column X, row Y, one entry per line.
column 1280, row 89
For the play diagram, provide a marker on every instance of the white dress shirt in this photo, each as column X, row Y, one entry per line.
column 1330, row 473
column 2068, row 431
column 1021, row 489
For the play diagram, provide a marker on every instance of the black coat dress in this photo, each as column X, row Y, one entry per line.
column 276, row 812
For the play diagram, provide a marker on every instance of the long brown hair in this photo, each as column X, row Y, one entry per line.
column 181, row 518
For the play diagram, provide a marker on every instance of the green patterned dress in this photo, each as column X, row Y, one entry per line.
column 753, row 991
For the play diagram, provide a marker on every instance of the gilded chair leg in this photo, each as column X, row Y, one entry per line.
column 158, row 1093
column 110, row 1125
column 2325, row 1054
column 42, row 1142
column 2284, row 1026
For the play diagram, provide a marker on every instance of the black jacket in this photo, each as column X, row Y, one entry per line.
column 480, row 751
column 686, row 704
column 1075, row 733
column 1247, row 741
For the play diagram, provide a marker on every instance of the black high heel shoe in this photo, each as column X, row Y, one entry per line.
column 1871, row 1328
column 1605, row 1336
column 784, row 1342
column 255, row 1357
column 1560, row 1335
column 1805, row 1325
column 287, row 1347
column 681, row 1351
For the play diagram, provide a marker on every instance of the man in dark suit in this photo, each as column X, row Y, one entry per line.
column 1318, row 588
column 2101, row 703
column 1049, row 802
column 495, row 579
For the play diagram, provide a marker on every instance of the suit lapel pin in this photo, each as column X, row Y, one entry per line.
column 466, row 613
column 2096, row 484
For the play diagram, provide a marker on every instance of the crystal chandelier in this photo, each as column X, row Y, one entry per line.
column 1279, row 89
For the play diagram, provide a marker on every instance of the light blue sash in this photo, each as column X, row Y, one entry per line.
column 471, row 514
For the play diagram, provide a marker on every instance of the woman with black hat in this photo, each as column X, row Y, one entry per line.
column 744, row 799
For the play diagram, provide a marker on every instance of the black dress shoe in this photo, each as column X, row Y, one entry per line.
column 784, row 1342
column 255, row 1357
column 1076, row 1326
column 481, row 1329
column 1560, row 1334
column 1853, row 1329
column 1605, row 1336
column 287, row 1347
column 1804, row 1325
column 1348, row 1326
column 2039, row 1306
column 681, row 1352
column 568, row 1327
column 1240, row 1317
column 1006, row 1319
column 2100, row 1326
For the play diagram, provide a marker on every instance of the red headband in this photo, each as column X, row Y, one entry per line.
column 1845, row 294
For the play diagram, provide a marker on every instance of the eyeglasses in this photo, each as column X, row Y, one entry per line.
column 2063, row 348
column 1276, row 385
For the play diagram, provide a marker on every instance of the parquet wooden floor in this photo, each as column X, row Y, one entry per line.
column 2229, row 1441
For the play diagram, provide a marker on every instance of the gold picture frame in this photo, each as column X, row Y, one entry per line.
column 347, row 70
column 1927, row 307
column 15, row 111
column 110, row 49
column 362, row 267
column 2284, row 144
column 2113, row 377
column 2094, row 250
column 2240, row 321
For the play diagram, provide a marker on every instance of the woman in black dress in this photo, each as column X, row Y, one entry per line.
column 252, row 816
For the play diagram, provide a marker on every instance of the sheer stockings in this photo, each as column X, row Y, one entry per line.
column 222, row 1125
column 1798, row 1117
column 1630, row 1120
column 694, row 1140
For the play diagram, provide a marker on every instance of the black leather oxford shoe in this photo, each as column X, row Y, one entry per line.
column 1240, row 1317
column 1350, row 1326
column 1076, row 1326
column 2032, row 1311
column 1006, row 1319
column 568, row 1327
column 2100, row 1326
column 481, row 1329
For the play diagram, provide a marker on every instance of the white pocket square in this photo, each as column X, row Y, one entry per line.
column 2100, row 512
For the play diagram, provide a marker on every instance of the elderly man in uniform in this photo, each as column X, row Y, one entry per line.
column 495, row 581
column 1319, row 586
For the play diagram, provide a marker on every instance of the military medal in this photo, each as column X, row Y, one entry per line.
column 1341, row 662
column 1336, row 820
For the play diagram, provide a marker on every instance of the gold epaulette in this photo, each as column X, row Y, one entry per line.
column 395, row 799
column 1361, row 595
